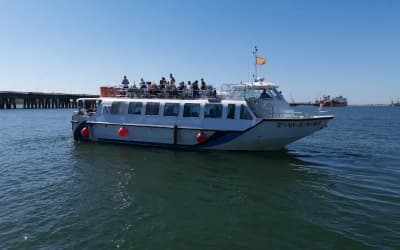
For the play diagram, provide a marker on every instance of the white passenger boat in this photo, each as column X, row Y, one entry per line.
column 240, row 117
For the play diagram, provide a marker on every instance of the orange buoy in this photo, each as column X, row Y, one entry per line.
column 85, row 132
column 201, row 137
column 122, row 131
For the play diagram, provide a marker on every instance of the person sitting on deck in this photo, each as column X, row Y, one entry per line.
column 264, row 94
column 180, row 89
column 142, row 84
column 163, row 83
column 181, row 86
column 195, row 88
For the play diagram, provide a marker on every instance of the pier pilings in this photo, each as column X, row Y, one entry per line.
column 7, row 103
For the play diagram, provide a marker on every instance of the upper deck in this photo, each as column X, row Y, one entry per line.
column 261, row 99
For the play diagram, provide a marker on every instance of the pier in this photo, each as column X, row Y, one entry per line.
column 39, row 100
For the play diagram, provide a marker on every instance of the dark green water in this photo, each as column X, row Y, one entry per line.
column 337, row 189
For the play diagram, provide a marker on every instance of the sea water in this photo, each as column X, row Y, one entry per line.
column 336, row 189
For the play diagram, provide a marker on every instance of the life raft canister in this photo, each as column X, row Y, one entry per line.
column 85, row 132
column 201, row 137
column 122, row 131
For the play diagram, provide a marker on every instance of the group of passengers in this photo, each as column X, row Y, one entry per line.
column 168, row 88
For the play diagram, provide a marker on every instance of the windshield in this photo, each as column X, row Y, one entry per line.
column 263, row 93
column 88, row 103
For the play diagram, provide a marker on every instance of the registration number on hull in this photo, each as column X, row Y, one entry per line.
column 298, row 124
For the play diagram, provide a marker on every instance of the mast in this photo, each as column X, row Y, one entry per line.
column 255, row 63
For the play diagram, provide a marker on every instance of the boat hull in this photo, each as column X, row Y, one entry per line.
column 266, row 135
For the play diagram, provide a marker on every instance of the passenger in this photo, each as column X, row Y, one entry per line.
column 148, row 85
column 132, row 90
column 264, row 94
column 203, row 85
column 195, row 87
column 125, row 85
column 280, row 95
column 163, row 83
column 80, row 112
column 172, row 89
column 189, row 90
column 172, row 79
column 90, row 111
column 181, row 86
column 142, row 84
column 125, row 81
column 146, row 88
column 203, row 88
column 154, row 89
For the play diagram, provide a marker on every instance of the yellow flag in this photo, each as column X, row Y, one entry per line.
column 260, row 60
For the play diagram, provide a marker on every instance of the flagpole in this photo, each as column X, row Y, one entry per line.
column 255, row 63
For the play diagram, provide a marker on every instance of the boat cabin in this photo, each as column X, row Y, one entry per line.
column 263, row 98
column 168, row 112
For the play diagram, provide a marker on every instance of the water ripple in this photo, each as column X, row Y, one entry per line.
column 336, row 189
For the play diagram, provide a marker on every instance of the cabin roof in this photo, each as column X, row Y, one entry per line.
column 161, row 100
column 255, row 85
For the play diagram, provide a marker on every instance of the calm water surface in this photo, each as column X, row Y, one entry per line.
column 337, row 189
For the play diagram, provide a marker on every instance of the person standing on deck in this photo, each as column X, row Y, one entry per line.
column 125, row 85
column 171, row 79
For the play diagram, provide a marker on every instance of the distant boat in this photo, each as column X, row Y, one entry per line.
column 395, row 103
column 326, row 101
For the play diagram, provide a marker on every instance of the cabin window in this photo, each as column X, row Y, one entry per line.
column 230, row 114
column 191, row 110
column 87, row 104
column 152, row 108
column 244, row 113
column 171, row 109
column 117, row 108
column 213, row 111
column 135, row 108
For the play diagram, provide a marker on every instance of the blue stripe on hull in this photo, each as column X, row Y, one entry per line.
column 217, row 139
column 220, row 138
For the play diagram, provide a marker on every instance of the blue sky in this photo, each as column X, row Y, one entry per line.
column 312, row 47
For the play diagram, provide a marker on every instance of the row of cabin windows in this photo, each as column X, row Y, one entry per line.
column 211, row 110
